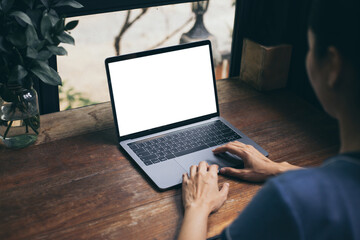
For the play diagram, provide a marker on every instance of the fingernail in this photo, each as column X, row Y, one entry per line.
column 227, row 184
column 222, row 170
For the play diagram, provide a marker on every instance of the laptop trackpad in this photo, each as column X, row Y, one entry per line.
column 222, row 160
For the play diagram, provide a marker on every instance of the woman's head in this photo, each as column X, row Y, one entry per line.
column 333, row 60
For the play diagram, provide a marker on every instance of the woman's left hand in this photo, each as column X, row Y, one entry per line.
column 201, row 196
column 200, row 190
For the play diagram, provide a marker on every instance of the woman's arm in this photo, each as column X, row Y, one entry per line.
column 200, row 191
column 201, row 196
column 257, row 167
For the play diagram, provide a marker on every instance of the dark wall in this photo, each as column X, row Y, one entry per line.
column 272, row 22
column 298, row 80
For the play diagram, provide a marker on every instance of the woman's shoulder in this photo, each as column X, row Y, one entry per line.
column 339, row 168
column 326, row 194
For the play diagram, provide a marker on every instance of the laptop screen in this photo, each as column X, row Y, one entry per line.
column 161, row 89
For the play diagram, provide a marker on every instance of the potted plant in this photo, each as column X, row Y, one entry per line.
column 30, row 33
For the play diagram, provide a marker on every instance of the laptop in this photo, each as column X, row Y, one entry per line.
column 166, row 111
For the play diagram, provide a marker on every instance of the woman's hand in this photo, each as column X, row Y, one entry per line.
column 201, row 191
column 201, row 196
column 257, row 167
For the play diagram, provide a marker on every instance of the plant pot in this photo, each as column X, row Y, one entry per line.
column 19, row 118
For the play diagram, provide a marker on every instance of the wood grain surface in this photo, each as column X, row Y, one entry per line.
column 76, row 184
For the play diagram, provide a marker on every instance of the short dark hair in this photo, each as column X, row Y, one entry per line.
column 337, row 23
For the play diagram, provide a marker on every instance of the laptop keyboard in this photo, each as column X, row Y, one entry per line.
column 182, row 142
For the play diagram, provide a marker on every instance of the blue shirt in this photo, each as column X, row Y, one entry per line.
column 316, row 203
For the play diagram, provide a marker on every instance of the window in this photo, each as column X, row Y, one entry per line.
column 99, row 36
column 49, row 95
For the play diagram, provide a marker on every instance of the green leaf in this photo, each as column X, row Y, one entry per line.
column 71, row 25
column 57, row 50
column 59, row 26
column 53, row 13
column 29, row 3
column 31, row 36
column 70, row 3
column 46, row 3
column 31, row 53
column 35, row 16
column 17, row 74
column 45, row 25
column 46, row 74
column 6, row 5
column 39, row 45
column 54, row 17
column 17, row 38
column 66, row 38
column 22, row 16
column 44, row 55
column 2, row 45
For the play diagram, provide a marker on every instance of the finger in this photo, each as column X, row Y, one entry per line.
column 185, row 177
column 246, row 152
column 246, row 147
column 225, row 147
column 203, row 167
column 239, row 143
column 214, row 168
column 231, row 148
column 193, row 170
column 220, row 149
column 225, row 191
column 239, row 173
column 235, row 144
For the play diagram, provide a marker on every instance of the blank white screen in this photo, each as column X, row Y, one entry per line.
column 162, row 89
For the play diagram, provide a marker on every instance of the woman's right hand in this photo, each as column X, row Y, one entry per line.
column 257, row 167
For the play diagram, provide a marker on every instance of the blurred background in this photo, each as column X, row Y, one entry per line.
column 100, row 36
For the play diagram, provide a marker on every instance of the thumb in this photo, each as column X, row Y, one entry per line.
column 221, row 198
column 239, row 173
column 225, row 190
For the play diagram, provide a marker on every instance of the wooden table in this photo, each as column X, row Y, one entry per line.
column 75, row 183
